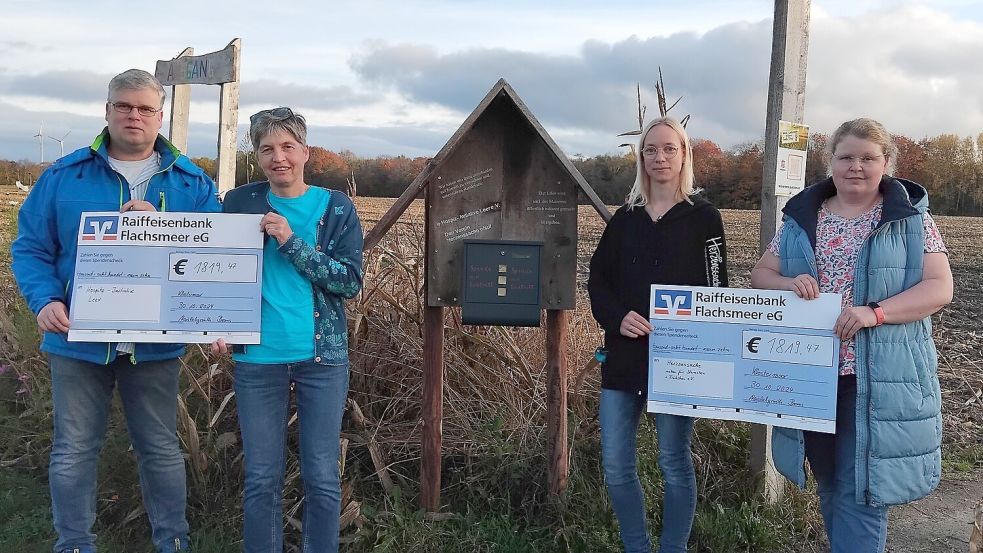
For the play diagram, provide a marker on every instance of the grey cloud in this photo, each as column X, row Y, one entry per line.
column 85, row 86
column 595, row 91
column 913, row 73
column 17, row 136
column 268, row 92
column 23, row 46
column 363, row 141
column 72, row 86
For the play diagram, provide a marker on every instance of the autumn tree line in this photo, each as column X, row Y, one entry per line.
column 949, row 166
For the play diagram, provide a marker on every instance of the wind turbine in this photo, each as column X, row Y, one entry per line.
column 61, row 143
column 40, row 137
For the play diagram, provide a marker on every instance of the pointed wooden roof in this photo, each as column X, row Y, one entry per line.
column 502, row 87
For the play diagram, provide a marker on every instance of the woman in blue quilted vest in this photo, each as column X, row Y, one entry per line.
column 868, row 236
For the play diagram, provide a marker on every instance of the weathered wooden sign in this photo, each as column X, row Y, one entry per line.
column 214, row 68
column 503, row 179
column 499, row 177
column 221, row 68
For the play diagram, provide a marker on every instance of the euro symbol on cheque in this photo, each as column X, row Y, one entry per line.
column 179, row 266
column 752, row 344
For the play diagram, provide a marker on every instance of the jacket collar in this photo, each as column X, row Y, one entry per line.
column 169, row 154
column 678, row 210
column 902, row 198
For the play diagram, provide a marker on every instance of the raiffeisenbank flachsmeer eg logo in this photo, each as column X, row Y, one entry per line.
column 673, row 302
column 100, row 227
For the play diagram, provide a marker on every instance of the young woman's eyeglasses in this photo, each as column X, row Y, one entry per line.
column 668, row 151
column 276, row 114
column 864, row 161
column 126, row 109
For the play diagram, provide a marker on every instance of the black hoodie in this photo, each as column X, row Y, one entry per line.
column 685, row 247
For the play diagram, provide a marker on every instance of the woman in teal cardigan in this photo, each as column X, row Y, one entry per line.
column 867, row 236
column 312, row 263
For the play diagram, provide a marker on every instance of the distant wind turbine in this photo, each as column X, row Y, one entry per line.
column 40, row 137
column 61, row 143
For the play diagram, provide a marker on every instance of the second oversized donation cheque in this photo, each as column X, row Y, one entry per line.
column 167, row 277
column 760, row 356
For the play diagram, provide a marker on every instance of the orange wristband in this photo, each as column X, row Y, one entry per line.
column 878, row 312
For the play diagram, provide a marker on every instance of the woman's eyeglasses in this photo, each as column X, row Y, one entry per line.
column 864, row 161
column 276, row 114
column 668, row 151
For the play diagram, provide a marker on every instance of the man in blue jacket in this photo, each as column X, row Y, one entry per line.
column 129, row 167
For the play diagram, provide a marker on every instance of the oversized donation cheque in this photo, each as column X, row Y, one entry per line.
column 760, row 356
column 167, row 277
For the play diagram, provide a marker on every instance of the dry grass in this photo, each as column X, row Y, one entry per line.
column 494, row 377
column 501, row 370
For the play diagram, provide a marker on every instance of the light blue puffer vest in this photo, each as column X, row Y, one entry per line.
column 899, row 403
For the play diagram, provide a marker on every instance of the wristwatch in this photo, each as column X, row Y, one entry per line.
column 878, row 312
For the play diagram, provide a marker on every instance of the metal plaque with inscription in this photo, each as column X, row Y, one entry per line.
column 501, row 282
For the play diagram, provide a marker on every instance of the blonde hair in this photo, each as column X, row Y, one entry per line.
column 638, row 195
column 864, row 129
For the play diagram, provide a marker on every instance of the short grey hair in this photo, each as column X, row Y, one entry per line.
column 264, row 123
column 135, row 79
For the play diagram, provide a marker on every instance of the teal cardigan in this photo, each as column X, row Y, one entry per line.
column 899, row 402
column 333, row 265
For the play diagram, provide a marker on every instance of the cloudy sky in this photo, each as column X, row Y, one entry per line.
column 399, row 77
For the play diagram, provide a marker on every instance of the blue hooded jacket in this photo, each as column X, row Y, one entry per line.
column 48, row 222
column 899, row 402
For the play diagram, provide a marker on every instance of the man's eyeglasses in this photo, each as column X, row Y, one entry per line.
column 126, row 109
column 865, row 161
column 276, row 114
column 668, row 151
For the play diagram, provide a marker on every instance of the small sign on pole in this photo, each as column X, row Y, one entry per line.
column 793, row 143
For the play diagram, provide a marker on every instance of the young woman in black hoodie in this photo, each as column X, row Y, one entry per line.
column 664, row 234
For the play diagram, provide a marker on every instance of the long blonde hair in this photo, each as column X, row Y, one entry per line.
column 638, row 195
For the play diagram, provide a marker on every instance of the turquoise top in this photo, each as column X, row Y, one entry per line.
column 287, row 330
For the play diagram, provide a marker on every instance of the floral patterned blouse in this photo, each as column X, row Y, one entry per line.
column 838, row 243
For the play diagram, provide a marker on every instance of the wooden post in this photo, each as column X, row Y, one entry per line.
column 228, row 120
column 433, row 393
column 786, row 101
column 180, row 108
column 556, row 400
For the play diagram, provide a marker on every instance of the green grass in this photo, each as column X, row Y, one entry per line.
column 501, row 504
column 25, row 516
column 962, row 461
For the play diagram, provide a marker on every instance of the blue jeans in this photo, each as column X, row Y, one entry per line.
column 850, row 526
column 82, row 393
column 263, row 399
column 620, row 413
